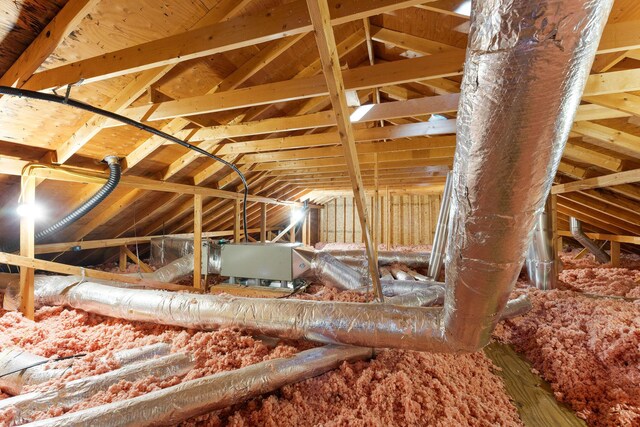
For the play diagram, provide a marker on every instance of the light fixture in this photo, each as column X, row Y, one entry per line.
column 296, row 215
column 28, row 210
column 360, row 112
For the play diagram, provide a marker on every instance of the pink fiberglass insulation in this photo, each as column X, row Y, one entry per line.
column 397, row 388
column 61, row 332
column 587, row 347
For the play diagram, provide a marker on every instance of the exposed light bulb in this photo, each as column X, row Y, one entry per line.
column 30, row 210
column 296, row 215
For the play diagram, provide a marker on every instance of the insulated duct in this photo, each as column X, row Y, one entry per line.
column 576, row 231
column 24, row 406
column 441, row 232
column 542, row 267
column 358, row 258
column 86, row 207
column 526, row 67
column 373, row 325
column 174, row 404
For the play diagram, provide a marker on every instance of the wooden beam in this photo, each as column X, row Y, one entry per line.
column 123, row 259
column 27, row 246
column 409, row 42
column 56, row 267
column 609, row 138
column 603, row 236
column 86, row 177
column 47, row 41
column 624, row 102
column 197, row 241
column 143, row 266
column 263, row 222
column 396, row 72
column 288, row 19
column 626, row 177
column 325, row 40
column 109, row 243
column 615, row 254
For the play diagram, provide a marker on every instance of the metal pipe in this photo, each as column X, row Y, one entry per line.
column 526, row 67
column 576, row 231
column 542, row 267
column 174, row 404
column 441, row 232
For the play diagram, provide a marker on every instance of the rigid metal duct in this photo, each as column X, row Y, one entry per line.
column 441, row 232
column 542, row 267
column 576, row 231
column 526, row 67
column 172, row 405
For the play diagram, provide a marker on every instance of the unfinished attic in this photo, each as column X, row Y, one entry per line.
column 320, row 213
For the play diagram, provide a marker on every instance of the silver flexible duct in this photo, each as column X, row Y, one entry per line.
column 375, row 325
column 358, row 258
column 172, row 405
column 526, row 67
column 576, row 231
column 400, row 274
column 441, row 232
column 14, row 359
column 26, row 405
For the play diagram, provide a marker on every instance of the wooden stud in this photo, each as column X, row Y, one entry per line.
column 615, row 254
column 123, row 259
column 27, row 246
column 197, row 241
column 263, row 222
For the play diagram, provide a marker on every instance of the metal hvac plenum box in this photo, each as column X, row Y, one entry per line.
column 269, row 261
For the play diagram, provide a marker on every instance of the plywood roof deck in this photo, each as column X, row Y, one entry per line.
column 253, row 92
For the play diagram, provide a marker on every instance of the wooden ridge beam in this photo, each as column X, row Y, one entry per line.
column 289, row 19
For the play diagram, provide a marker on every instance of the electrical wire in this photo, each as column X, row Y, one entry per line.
column 65, row 100
column 33, row 365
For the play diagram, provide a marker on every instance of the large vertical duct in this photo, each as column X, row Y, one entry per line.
column 440, row 236
column 576, row 231
column 526, row 67
column 542, row 267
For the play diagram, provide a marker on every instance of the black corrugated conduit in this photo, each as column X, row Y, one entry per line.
column 95, row 200
column 65, row 100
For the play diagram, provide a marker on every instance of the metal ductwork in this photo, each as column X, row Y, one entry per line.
column 542, row 266
column 441, row 233
column 576, row 231
column 526, row 67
